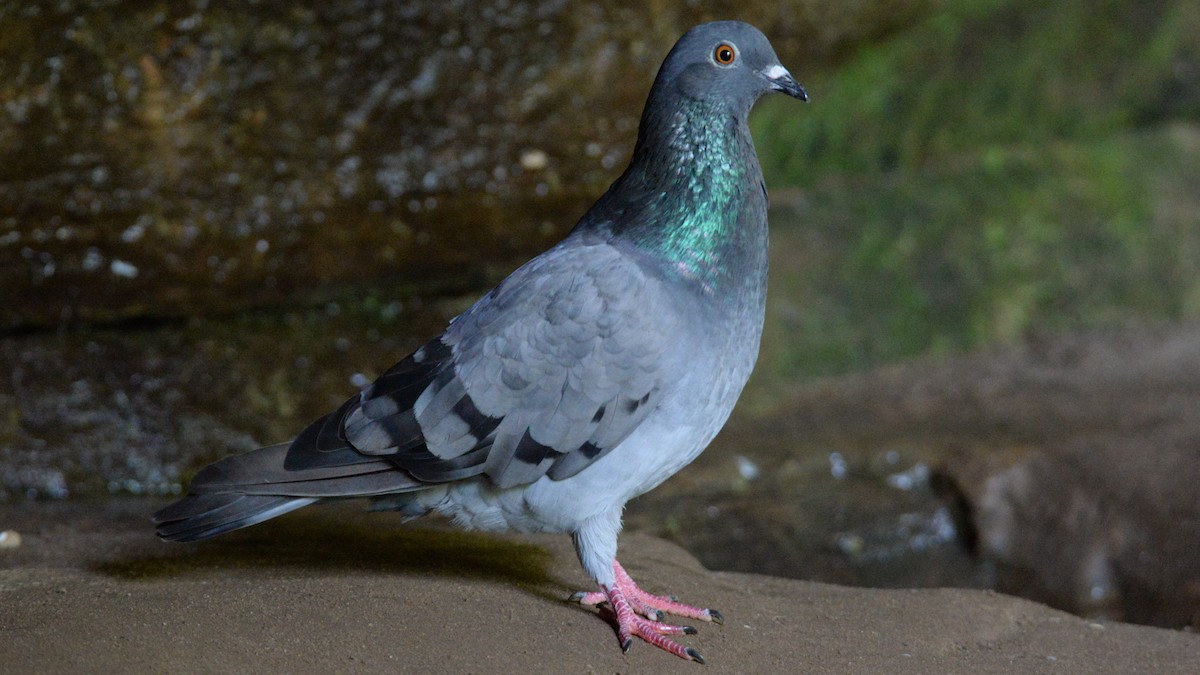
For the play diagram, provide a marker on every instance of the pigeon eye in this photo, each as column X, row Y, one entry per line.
column 724, row 54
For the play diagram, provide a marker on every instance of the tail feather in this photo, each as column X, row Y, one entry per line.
column 247, row 489
column 198, row 517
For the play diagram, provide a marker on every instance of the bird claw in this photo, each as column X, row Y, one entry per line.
column 640, row 614
column 630, row 625
column 654, row 607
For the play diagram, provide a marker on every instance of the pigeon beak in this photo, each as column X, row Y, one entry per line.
column 782, row 80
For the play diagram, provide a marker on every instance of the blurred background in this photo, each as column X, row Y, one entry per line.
column 982, row 358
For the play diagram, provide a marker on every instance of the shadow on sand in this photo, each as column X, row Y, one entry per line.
column 335, row 539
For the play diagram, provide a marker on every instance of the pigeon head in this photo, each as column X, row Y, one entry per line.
column 693, row 196
column 727, row 63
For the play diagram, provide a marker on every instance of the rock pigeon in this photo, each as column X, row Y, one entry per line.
column 590, row 375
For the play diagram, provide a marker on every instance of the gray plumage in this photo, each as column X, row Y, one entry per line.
column 588, row 376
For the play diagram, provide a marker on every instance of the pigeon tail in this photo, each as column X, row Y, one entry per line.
column 244, row 490
column 197, row 517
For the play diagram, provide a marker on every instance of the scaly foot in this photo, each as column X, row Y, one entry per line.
column 640, row 614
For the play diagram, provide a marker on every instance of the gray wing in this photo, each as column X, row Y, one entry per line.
column 544, row 375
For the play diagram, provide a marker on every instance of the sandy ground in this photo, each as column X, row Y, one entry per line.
column 333, row 589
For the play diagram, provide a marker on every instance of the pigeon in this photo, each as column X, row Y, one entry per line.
column 587, row 377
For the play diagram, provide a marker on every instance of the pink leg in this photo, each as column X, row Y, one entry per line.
column 627, row 601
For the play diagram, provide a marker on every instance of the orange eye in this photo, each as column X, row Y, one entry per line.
column 724, row 54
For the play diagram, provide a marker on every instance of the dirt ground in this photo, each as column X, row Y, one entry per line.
column 333, row 589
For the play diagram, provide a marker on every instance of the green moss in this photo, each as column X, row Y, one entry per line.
column 998, row 168
column 1070, row 235
column 982, row 73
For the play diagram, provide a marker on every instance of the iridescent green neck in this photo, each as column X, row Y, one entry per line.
column 693, row 171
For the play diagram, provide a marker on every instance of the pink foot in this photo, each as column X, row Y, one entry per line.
column 627, row 602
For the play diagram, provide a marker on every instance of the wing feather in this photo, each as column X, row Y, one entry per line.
column 545, row 374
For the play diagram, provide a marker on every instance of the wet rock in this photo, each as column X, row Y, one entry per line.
column 845, row 522
column 1105, row 528
column 1079, row 477
column 180, row 158
column 1084, row 496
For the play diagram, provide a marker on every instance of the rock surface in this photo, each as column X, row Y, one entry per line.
column 180, row 158
column 1074, row 459
column 336, row 590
